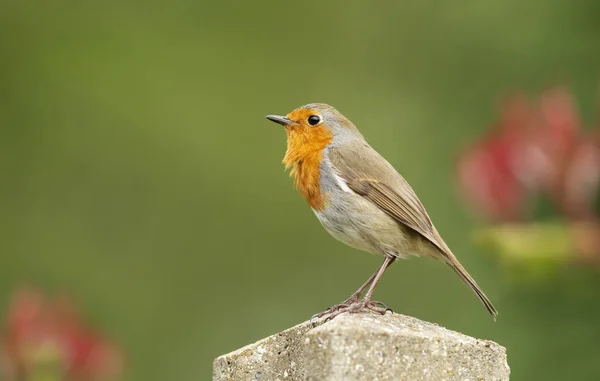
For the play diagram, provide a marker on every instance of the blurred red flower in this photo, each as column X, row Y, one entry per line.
column 534, row 149
column 46, row 339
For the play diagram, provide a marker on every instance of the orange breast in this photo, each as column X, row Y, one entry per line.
column 304, row 156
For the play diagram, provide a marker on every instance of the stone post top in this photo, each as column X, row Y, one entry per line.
column 365, row 347
column 394, row 324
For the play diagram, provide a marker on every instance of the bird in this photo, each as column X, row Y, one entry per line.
column 360, row 199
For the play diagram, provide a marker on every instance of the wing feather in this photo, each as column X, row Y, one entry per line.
column 369, row 175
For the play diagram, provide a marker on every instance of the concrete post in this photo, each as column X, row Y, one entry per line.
column 367, row 347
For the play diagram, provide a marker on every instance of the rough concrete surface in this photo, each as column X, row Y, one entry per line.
column 277, row 357
column 369, row 347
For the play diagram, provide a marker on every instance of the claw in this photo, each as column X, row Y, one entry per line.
column 375, row 307
column 380, row 304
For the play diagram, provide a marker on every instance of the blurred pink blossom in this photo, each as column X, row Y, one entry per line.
column 535, row 148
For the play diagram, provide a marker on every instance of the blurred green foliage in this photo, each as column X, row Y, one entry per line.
column 138, row 172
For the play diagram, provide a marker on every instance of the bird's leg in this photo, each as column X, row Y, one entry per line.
column 356, row 295
column 372, row 305
column 354, row 302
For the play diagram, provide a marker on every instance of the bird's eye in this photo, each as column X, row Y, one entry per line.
column 313, row 120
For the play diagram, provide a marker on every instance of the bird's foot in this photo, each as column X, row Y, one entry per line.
column 345, row 304
column 355, row 306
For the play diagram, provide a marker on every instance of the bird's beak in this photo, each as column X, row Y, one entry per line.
column 283, row 120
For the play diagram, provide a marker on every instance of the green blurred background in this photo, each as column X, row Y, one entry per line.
column 138, row 172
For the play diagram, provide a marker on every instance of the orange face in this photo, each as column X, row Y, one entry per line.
column 305, row 144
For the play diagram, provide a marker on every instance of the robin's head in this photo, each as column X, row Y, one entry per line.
column 314, row 126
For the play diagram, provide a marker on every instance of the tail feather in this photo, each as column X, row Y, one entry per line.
column 469, row 281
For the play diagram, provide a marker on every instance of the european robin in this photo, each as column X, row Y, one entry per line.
column 360, row 199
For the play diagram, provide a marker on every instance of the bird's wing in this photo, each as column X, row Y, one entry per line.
column 369, row 175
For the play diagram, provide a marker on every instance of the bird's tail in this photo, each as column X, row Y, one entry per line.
column 469, row 281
